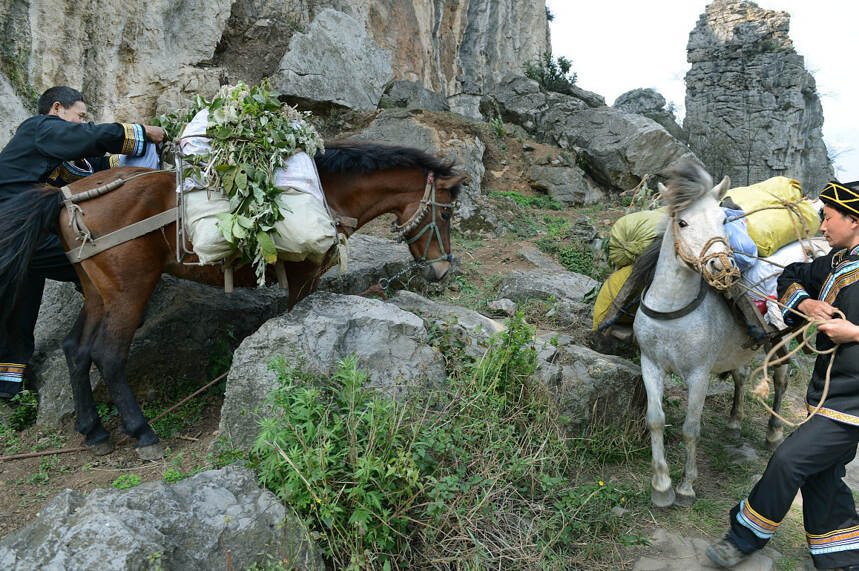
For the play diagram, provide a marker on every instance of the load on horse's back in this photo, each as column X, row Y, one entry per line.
column 361, row 181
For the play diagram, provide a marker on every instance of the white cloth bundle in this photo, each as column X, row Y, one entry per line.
column 307, row 230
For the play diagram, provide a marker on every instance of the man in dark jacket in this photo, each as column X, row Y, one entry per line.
column 55, row 147
column 813, row 458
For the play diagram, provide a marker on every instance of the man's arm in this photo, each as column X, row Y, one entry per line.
column 799, row 285
column 72, row 141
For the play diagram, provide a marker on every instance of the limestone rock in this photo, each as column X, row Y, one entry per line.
column 651, row 104
column 335, row 61
column 412, row 95
column 469, row 328
column 752, row 109
column 589, row 387
column 566, row 184
column 186, row 526
column 400, row 127
column 324, row 328
column 12, row 111
column 616, row 149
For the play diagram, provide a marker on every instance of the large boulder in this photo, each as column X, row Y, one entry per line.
column 589, row 387
column 566, row 184
column 197, row 523
column 651, row 104
column 615, row 148
column 335, row 61
column 390, row 344
column 464, row 327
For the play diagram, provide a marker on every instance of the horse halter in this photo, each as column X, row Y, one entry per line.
column 428, row 203
column 722, row 280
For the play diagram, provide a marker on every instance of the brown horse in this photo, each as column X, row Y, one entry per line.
column 361, row 182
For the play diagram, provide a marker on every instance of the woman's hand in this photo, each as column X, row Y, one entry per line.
column 819, row 310
column 840, row 330
column 155, row 134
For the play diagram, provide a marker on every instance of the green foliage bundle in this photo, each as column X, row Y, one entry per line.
column 252, row 134
column 474, row 474
column 553, row 74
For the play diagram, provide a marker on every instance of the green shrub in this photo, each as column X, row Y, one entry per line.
column 25, row 412
column 552, row 74
column 542, row 201
column 126, row 481
column 473, row 474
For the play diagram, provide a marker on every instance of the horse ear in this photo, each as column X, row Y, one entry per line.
column 720, row 189
column 450, row 181
column 662, row 188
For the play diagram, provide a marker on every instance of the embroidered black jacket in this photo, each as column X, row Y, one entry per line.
column 832, row 279
column 48, row 149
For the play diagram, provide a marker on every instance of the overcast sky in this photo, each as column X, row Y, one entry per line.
column 618, row 45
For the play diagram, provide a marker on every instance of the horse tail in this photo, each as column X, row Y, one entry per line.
column 25, row 220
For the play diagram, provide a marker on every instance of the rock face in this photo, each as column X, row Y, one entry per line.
column 335, row 61
column 186, row 526
column 12, row 111
column 752, row 109
column 155, row 55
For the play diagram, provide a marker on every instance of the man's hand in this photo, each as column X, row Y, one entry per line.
column 840, row 330
column 155, row 134
column 819, row 310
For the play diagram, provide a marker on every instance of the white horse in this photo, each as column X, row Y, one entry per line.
column 685, row 327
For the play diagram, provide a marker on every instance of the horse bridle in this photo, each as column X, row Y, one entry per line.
column 428, row 203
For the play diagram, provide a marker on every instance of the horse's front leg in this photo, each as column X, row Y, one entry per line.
column 697, row 381
column 661, row 493
column 739, row 375
column 775, row 428
column 77, row 346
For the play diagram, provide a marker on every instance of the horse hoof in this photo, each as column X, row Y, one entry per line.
column 684, row 500
column 662, row 499
column 101, row 448
column 773, row 443
column 150, row 453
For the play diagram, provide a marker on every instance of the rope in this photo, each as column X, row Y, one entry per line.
column 723, row 280
column 761, row 391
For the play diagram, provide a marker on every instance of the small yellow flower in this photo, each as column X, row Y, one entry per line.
column 623, row 500
column 601, row 483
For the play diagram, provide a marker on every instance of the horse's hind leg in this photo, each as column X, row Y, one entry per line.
column 775, row 428
column 77, row 346
column 661, row 493
column 740, row 374
column 697, row 382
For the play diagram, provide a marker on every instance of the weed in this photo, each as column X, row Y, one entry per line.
column 552, row 74
column 26, row 409
column 126, row 481
column 542, row 201
column 497, row 125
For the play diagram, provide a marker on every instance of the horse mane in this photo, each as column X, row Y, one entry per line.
column 687, row 183
column 645, row 265
column 362, row 157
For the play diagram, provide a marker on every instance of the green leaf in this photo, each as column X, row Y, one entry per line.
column 266, row 246
column 359, row 516
column 244, row 221
column 228, row 180
column 239, row 232
column 242, row 179
column 225, row 224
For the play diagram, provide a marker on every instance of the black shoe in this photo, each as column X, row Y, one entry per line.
column 725, row 553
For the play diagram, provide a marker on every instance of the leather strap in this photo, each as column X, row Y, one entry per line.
column 136, row 230
column 667, row 315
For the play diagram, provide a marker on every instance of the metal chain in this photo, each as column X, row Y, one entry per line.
column 384, row 283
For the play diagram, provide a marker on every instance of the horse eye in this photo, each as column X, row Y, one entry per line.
column 725, row 221
column 445, row 216
column 683, row 224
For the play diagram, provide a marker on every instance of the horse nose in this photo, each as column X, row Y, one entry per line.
column 436, row 271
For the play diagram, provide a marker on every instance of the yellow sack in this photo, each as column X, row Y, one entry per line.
column 608, row 292
column 774, row 228
column 632, row 234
